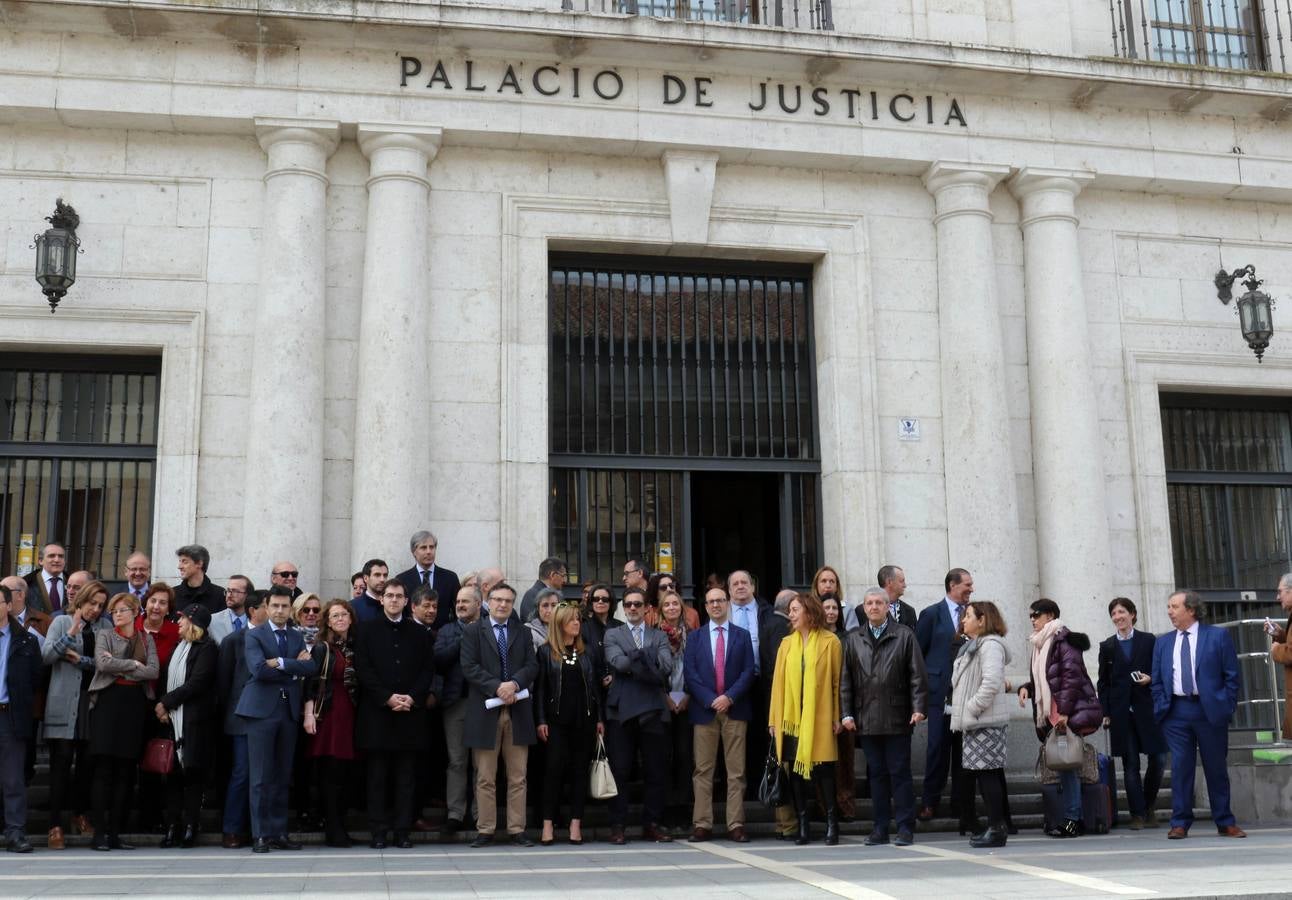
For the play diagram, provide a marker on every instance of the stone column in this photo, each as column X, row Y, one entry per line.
column 978, row 465
column 283, row 506
column 391, row 481
column 1073, row 556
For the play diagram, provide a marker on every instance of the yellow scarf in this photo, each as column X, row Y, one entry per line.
column 798, row 709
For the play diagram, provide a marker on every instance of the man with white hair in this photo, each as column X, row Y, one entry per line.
column 425, row 546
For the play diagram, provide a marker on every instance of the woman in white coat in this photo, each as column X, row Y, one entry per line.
column 977, row 689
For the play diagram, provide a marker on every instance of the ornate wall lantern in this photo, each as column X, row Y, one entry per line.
column 1255, row 308
column 56, row 251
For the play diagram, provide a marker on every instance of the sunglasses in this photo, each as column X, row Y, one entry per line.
column 288, row 574
column 1034, row 615
column 666, row 586
column 633, row 604
column 311, row 610
column 600, row 598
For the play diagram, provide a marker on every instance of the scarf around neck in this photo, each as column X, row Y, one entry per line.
column 798, row 709
column 1042, row 641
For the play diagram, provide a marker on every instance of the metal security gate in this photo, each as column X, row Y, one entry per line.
column 662, row 373
column 78, row 450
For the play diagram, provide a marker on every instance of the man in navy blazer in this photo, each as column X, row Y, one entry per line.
column 720, row 711
column 232, row 679
column 1195, row 692
column 937, row 632
column 424, row 571
column 278, row 665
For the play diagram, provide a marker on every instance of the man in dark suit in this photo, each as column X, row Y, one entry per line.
column 718, row 666
column 393, row 662
column 1195, row 692
column 936, row 631
column 424, row 545
column 367, row 606
column 277, row 664
column 893, row 580
column 498, row 663
column 453, row 707
column 232, row 678
column 48, row 584
column 640, row 663
column 20, row 670
column 551, row 574
column 1125, row 659
column 194, row 585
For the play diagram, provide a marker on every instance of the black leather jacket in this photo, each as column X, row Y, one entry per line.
column 548, row 687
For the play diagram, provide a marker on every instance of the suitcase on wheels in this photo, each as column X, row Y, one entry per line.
column 1096, row 807
column 1051, row 807
column 1108, row 777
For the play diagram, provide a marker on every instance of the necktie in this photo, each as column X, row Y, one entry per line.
column 426, row 576
column 895, row 611
column 500, row 632
column 1186, row 666
column 720, row 664
column 637, row 636
column 237, row 624
column 55, row 599
column 281, row 635
column 955, row 618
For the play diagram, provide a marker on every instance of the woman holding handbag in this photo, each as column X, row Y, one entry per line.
column 189, row 708
column 330, row 715
column 568, row 709
column 125, row 661
column 977, row 683
column 1063, row 699
column 672, row 621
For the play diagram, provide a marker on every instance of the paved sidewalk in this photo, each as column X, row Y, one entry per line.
column 1124, row 864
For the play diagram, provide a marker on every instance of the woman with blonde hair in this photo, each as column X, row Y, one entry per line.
column 125, row 661
column 306, row 612
column 189, row 707
column 568, row 710
column 672, row 621
column 804, row 718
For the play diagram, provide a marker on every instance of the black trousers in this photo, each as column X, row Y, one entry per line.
column 992, row 784
column 681, row 768
column 566, row 761
column 184, row 788
column 391, row 770
column 332, row 783
column 648, row 734
column 69, row 785
column 112, row 782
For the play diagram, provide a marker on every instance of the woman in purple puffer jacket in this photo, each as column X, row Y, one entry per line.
column 1063, row 697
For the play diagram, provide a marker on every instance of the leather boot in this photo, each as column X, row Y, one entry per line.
column 800, row 791
column 826, row 775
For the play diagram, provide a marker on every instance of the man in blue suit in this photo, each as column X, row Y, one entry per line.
column 937, row 632
column 1195, row 692
column 278, row 664
column 718, row 667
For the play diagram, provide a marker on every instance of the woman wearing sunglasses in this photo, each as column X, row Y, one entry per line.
column 597, row 617
column 660, row 585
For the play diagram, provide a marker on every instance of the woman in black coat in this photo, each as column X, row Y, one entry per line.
column 569, row 714
column 1128, row 710
column 189, row 706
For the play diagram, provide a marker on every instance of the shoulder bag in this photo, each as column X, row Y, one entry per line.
column 601, row 781
column 1064, row 752
column 771, row 790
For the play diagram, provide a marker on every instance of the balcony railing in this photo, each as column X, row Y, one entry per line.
column 1227, row 34
column 812, row 15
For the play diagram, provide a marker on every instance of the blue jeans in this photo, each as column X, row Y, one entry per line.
column 238, row 794
column 1141, row 795
column 1070, row 789
column 888, row 760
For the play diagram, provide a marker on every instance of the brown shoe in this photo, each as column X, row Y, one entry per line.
column 652, row 833
column 1232, row 831
column 617, row 837
column 1136, row 823
column 925, row 814
column 738, row 835
column 424, row 825
column 1178, row 834
column 82, row 825
column 55, row 839
column 700, row 835
column 232, row 842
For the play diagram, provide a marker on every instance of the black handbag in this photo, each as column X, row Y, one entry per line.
column 772, row 789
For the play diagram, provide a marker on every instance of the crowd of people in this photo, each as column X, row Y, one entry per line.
column 155, row 700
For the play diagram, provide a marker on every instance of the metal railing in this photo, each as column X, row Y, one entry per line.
column 1260, row 692
column 1228, row 34
column 814, row 15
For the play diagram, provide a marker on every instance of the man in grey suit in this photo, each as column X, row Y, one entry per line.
column 278, row 664
column 233, row 677
column 640, row 662
column 498, row 662
column 233, row 618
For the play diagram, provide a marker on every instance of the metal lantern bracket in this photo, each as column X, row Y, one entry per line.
column 56, row 252
column 1225, row 282
column 1254, row 308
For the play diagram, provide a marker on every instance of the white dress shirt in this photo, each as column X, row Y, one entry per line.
column 1177, row 687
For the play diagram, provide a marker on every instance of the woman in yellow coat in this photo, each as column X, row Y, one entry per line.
column 804, row 716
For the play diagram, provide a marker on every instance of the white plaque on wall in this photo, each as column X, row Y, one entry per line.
column 908, row 429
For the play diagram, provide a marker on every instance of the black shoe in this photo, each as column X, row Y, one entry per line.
column 283, row 842
column 1069, row 829
column 402, row 841
column 519, row 840
column 170, row 839
column 992, row 837
column 831, row 828
column 451, row 826
column 482, row 840
column 19, row 844
column 190, row 837
column 378, row 841
column 115, row 842
column 260, row 845
column 875, row 839
column 904, row 839
column 99, row 842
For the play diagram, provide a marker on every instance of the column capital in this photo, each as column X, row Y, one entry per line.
column 297, row 146
column 963, row 188
column 399, row 150
column 1046, row 194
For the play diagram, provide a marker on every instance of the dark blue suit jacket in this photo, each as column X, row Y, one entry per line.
column 697, row 670
column 446, row 585
column 936, row 635
column 261, row 696
column 1216, row 664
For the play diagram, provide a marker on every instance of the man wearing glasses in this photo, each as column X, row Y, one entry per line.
column 635, row 577
column 640, row 663
column 192, row 561
column 551, row 574
column 139, row 572
column 286, row 574
column 233, row 618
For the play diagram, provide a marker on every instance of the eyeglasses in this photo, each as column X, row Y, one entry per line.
column 288, row 574
column 233, row 591
column 123, row 609
column 633, row 604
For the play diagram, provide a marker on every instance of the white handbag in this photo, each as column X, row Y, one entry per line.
column 601, row 781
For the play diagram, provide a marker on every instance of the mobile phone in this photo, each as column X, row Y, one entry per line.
column 1136, row 675
column 1270, row 627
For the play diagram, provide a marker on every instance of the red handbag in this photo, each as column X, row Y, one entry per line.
column 159, row 756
